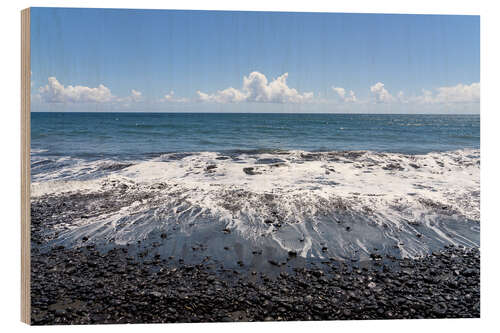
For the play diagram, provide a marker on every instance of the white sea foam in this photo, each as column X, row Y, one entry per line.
column 348, row 202
column 38, row 151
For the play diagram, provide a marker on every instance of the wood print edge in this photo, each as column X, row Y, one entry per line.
column 25, row 167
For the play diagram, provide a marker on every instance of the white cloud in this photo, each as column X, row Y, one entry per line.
column 135, row 96
column 425, row 98
column 256, row 88
column 459, row 94
column 452, row 94
column 340, row 91
column 55, row 92
column 350, row 97
column 170, row 98
column 381, row 94
column 402, row 98
column 228, row 95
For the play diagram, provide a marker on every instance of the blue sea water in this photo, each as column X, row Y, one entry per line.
column 96, row 135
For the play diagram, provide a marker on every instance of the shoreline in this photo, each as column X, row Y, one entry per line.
column 85, row 286
column 201, row 238
column 346, row 203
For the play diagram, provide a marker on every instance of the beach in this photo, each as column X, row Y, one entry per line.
column 127, row 229
column 85, row 286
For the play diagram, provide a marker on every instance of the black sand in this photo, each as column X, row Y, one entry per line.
column 84, row 286
column 130, row 285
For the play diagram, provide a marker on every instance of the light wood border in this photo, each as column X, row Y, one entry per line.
column 25, row 167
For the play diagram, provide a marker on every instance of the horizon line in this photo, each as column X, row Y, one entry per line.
column 210, row 112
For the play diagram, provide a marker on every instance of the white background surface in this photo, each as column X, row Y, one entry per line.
column 490, row 162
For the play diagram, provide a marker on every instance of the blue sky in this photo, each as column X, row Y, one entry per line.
column 391, row 63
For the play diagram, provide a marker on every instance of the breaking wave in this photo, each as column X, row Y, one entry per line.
column 339, row 204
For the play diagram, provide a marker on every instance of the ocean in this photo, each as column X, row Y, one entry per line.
column 139, row 134
column 320, row 185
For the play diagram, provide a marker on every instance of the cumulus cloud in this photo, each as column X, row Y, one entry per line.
column 340, row 91
column 402, row 98
column 460, row 93
column 346, row 97
column 425, row 98
column 256, row 88
column 381, row 94
column 135, row 95
column 229, row 95
column 171, row 98
column 55, row 92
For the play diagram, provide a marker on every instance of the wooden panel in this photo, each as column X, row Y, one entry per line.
column 25, row 166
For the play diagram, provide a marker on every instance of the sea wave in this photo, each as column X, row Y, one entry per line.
column 317, row 204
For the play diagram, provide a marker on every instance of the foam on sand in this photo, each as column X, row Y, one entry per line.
column 317, row 204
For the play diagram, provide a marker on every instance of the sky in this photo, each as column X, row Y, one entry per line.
column 215, row 61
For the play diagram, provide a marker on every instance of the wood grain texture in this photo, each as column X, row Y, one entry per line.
column 25, row 166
